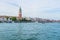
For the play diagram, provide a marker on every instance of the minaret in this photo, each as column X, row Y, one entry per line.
column 20, row 13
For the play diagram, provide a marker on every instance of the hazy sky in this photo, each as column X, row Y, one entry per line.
column 9, row 7
column 31, row 8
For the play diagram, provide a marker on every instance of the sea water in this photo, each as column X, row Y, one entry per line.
column 29, row 31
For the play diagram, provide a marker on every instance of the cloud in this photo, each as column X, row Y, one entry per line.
column 13, row 4
column 9, row 7
column 41, row 8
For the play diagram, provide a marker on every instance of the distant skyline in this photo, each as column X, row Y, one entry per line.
column 49, row 9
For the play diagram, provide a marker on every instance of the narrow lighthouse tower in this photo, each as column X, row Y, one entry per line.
column 20, row 14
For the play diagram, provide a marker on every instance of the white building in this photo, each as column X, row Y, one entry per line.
column 4, row 19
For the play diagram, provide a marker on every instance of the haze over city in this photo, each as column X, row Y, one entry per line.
column 49, row 9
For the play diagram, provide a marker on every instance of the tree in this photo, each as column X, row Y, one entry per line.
column 13, row 19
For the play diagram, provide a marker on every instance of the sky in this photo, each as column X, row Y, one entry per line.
column 49, row 9
column 9, row 7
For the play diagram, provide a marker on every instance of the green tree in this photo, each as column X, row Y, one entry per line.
column 13, row 19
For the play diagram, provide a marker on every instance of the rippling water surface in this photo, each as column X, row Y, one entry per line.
column 29, row 31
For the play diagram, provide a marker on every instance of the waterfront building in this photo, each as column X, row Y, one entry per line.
column 6, row 18
column 3, row 19
column 27, row 18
